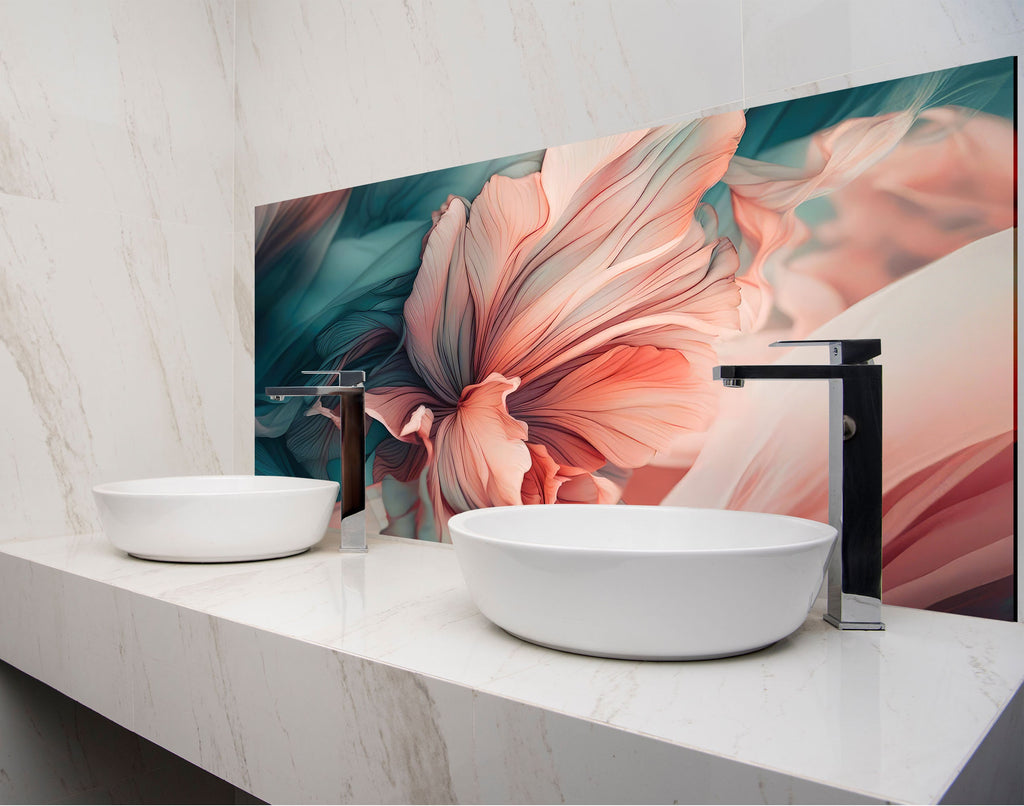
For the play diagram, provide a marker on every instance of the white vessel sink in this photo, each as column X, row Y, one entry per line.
column 646, row 583
column 209, row 519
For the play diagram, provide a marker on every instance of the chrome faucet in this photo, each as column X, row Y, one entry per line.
column 349, row 388
column 854, row 471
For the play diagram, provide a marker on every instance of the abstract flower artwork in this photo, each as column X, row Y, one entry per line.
column 541, row 328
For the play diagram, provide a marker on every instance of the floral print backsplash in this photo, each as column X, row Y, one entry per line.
column 542, row 328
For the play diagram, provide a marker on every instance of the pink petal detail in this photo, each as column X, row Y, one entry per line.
column 481, row 450
column 395, row 407
column 588, row 488
column 947, row 183
column 631, row 223
column 621, row 406
column 408, row 413
column 504, row 222
column 548, row 482
column 765, row 196
column 947, row 475
column 950, row 510
column 566, row 169
column 319, row 408
column 438, row 312
column 542, row 480
column 597, row 283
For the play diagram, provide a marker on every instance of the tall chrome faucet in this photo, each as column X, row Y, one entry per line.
column 854, row 471
column 349, row 388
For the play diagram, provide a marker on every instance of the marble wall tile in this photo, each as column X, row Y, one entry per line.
column 116, row 139
column 324, row 89
column 243, row 287
column 523, row 75
column 811, row 46
column 336, row 95
column 119, row 106
column 115, row 344
column 115, row 298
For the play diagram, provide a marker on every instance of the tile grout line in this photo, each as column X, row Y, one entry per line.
column 232, row 266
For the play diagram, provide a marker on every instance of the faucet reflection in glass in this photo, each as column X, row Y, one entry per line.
column 854, row 471
column 349, row 389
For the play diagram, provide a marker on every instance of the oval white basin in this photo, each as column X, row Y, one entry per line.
column 210, row 519
column 645, row 583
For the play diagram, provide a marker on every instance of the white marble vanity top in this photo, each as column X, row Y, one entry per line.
column 241, row 667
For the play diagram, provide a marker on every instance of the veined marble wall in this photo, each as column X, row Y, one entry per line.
column 116, row 317
column 116, row 312
column 336, row 95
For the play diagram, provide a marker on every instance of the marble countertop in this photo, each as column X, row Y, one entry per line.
column 373, row 678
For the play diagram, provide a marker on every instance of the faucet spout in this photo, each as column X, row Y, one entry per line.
column 349, row 388
column 854, row 471
column 784, row 372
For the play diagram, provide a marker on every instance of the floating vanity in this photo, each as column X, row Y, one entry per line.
column 372, row 678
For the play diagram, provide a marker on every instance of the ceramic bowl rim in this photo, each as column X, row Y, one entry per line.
column 137, row 487
column 828, row 534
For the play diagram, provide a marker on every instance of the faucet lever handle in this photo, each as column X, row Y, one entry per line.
column 841, row 351
column 345, row 377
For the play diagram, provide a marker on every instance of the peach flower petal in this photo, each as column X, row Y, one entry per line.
column 619, row 407
column 765, row 195
column 949, row 182
column 440, row 334
column 552, row 305
column 481, row 449
column 548, row 482
column 633, row 216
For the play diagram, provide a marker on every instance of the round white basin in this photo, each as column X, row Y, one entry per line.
column 209, row 519
column 646, row 583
